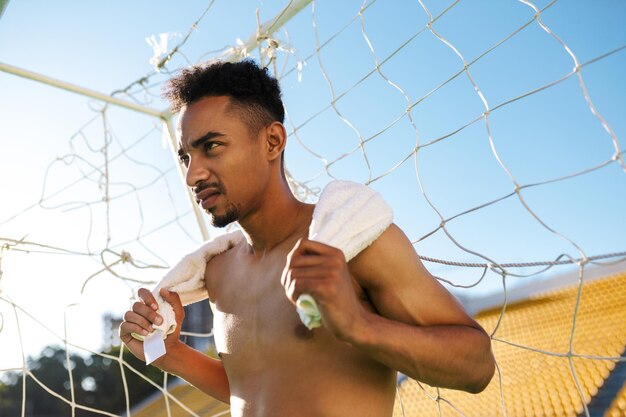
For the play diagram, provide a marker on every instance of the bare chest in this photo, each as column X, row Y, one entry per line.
column 266, row 350
column 254, row 321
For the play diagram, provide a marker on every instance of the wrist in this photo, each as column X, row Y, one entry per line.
column 358, row 332
column 168, row 362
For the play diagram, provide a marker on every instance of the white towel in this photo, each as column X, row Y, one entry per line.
column 348, row 216
column 187, row 278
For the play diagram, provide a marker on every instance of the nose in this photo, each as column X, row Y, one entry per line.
column 197, row 172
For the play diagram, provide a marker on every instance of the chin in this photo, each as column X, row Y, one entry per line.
column 219, row 223
column 231, row 216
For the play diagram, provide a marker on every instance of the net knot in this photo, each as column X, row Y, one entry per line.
column 273, row 46
column 494, row 267
column 273, row 43
column 263, row 37
column 126, row 257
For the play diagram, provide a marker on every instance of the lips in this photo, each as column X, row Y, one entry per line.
column 207, row 197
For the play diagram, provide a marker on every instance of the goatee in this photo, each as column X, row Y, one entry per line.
column 231, row 215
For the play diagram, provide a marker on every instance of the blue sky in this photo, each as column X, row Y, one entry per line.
column 546, row 135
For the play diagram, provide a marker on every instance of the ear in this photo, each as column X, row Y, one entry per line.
column 276, row 139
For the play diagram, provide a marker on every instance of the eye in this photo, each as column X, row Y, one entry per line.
column 209, row 146
column 184, row 159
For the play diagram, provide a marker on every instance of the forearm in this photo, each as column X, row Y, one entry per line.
column 450, row 356
column 203, row 372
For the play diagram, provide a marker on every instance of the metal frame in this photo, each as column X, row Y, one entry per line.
column 164, row 115
column 290, row 10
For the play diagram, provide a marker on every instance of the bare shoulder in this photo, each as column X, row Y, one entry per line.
column 400, row 286
column 392, row 251
column 216, row 268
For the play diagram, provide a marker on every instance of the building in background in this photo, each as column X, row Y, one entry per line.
column 111, row 336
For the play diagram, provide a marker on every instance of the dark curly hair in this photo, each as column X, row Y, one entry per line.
column 253, row 92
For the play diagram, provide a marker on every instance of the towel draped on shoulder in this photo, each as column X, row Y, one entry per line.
column 348, row 216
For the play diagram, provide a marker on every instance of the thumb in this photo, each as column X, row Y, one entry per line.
column 174, row 300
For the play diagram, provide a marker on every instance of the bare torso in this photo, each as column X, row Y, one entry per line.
column 275, row 366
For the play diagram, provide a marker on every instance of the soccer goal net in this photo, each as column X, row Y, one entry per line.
column 492, row 128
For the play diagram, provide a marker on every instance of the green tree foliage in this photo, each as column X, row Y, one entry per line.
column 97, row 383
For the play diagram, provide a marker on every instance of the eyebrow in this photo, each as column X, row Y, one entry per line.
column 200, row 141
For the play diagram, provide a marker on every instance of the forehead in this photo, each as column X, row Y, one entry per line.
column 203, row 115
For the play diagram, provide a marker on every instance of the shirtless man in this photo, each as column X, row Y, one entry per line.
column 382, row 312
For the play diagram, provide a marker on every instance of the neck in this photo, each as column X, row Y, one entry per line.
column 281, row 217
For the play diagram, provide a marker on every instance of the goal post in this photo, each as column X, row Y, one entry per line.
column 263, row 33
column 494, row 131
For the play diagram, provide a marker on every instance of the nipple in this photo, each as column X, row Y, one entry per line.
column 302, row 332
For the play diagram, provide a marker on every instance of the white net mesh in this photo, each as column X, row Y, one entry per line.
column 492, row 129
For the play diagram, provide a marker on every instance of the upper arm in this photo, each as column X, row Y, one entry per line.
column 401, row 288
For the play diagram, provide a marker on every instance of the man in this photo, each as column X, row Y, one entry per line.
column 382, row 312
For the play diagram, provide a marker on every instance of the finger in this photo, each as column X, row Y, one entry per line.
column 147, row 313
column 139, row 320
column 299, row 287
column 134, row 346
column 171, row 297
column 304, row 282
column 295, row 251
column 174, row 299
column 304, row 271
column 127, row 328
column 310, row 272
column 306, row 260
column 304, row 247
column 307, row 246
column 147, row 297
column 290, row 291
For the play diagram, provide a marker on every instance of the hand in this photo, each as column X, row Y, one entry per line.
column 143, row 314
column 321, row 271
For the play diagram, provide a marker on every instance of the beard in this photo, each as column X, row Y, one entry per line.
column 231, row 215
